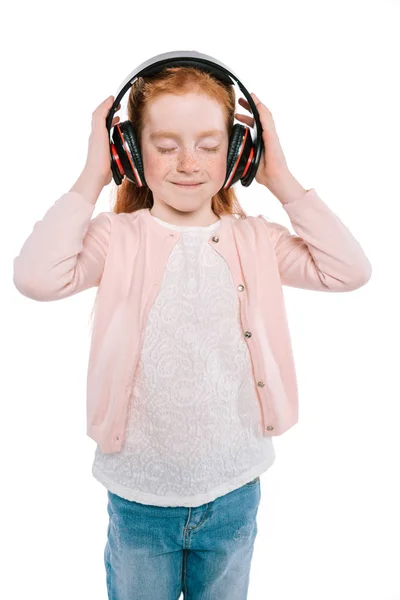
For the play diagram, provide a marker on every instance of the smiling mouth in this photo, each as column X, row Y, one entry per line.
column 188, row 184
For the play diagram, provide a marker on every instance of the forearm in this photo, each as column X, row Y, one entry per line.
column 286, row 188
column 88, row 185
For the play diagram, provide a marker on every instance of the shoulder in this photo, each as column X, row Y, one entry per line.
column 111, row 218
column 261, row 226
column 274, row 229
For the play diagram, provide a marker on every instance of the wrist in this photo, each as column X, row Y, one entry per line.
column 88, row 185
column 286, row 187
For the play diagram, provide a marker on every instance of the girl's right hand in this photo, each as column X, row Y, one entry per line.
column 98, row 159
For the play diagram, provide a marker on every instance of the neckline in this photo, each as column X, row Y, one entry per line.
column 153, row 222
column 189, row 228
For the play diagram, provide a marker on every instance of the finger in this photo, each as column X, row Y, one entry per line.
column 256, row 100
column 109, row 101
column 248, row 120
column 244, row 103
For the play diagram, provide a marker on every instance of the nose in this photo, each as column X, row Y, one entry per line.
column 188, row 161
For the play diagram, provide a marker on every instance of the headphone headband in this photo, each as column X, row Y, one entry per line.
column 158, row 63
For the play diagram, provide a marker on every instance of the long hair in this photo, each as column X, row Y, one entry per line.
column 127, row 197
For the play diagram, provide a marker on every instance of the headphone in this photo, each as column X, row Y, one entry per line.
column 243, row 153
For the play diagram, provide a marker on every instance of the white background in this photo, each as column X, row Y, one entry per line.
column 328, row 522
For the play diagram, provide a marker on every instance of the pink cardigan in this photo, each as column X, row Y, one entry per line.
column 125, row 256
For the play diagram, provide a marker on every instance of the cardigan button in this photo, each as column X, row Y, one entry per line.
column 240, row 288
column 247, row 334
column 269, row 427
column 215, row 238
column 260, row 383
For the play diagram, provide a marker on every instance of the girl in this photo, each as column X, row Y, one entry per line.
column 190, row 369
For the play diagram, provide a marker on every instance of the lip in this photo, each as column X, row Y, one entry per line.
column 188, row 184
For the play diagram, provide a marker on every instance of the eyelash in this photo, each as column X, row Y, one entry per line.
column 165, row 151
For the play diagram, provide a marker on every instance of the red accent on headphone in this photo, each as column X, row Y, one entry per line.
column 248, row 162
column 117, row 160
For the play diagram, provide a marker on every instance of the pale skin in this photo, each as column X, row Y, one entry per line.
column 188, row 157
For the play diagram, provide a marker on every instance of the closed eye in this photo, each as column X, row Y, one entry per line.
column 165, row 150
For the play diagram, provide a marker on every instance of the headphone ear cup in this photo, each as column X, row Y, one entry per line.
column 240, row 154
column 126, row 157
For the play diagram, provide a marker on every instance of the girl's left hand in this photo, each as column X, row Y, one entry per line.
column 272, row 165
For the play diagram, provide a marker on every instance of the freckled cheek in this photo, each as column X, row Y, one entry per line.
column 152, row 163
column 219, row 167
column 156, row 165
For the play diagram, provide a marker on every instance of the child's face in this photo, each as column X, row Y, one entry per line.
column 188, row 157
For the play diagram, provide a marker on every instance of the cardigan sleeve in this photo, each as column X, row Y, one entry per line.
column 322, row 255
column 65, row 252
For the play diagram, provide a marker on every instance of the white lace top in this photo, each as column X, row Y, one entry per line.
column 194, row 425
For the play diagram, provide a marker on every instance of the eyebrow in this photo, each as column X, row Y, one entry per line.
column 171, row 134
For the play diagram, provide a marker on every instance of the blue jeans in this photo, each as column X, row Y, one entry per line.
column 158, row 552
